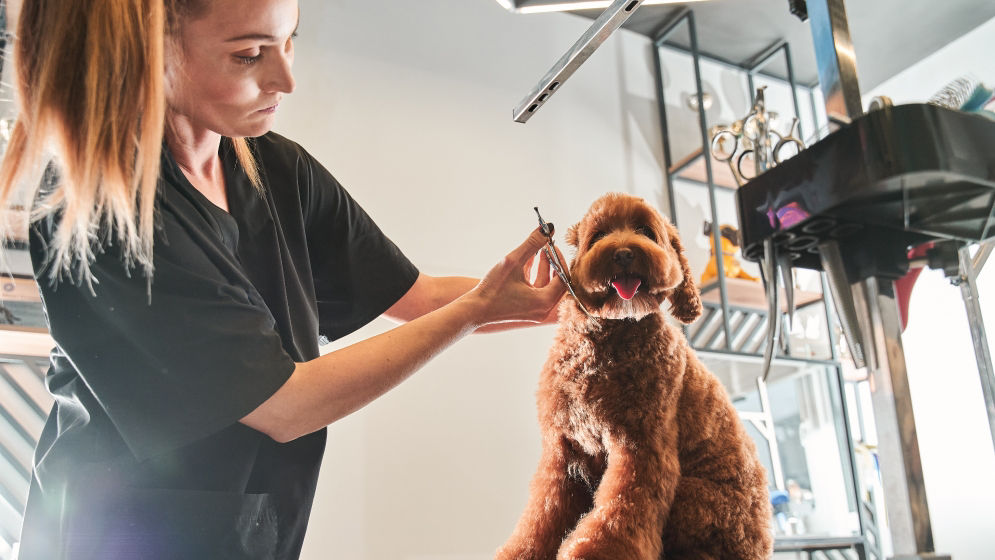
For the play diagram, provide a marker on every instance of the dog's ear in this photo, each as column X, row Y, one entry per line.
column 572, row 234
column 685, row 302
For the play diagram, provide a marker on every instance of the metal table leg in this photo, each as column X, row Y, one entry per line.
column 898, row 446
column 969, row 269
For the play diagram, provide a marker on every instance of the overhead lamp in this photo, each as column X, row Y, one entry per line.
column 615, row 14
column 553, row 6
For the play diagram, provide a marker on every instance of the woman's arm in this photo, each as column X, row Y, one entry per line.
column 332, row 386
column 433, row 292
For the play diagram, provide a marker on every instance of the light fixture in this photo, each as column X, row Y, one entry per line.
column 615, row 14
column 553, row 6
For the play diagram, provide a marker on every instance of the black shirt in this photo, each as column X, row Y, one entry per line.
column 143, row 455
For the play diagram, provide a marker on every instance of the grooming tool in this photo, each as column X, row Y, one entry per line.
column 787, row 279
column 554, row 260
column 769, row 275
column 964, row 94
column 752, row 138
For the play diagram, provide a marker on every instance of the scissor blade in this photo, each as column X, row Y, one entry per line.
column 554, row 261
column 784, row 264
column 773, row 309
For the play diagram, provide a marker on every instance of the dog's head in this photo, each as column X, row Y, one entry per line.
column 629, row 260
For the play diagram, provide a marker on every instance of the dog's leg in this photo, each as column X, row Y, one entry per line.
column 556, row 502
column 720, row 519
column 630, row 505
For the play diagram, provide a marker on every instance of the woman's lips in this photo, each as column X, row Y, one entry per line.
column 270, row 109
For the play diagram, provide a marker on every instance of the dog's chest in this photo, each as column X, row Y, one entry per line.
column 597, row 388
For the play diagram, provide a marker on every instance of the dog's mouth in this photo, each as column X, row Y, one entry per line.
column 626, row 286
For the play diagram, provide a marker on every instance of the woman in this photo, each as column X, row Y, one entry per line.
column 188, row 276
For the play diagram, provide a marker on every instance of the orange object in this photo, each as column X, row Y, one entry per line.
column 730, row 264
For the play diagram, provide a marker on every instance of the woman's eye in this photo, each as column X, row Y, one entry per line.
column 243, row 59
column 645, row 230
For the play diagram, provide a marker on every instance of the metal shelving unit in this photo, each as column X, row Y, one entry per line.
column 732, row 330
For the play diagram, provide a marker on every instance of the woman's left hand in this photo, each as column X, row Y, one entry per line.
column 508, row 293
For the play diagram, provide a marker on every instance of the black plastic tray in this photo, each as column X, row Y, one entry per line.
column 891, row 179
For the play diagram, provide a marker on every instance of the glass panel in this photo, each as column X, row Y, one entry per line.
column 814, row 495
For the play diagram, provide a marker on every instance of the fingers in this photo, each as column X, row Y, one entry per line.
column 527, row 269
column 529, row 248
column 543, row 274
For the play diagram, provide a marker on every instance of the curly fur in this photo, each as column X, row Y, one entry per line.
column 644, row 456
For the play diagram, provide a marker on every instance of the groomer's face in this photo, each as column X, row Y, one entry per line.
column 228, row 68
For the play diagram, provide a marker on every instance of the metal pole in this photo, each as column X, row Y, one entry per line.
column 661, row 102
column 898, row 445
column 767, row 416
column 707, row 156
column 667, row 156
column 762, row 59
column 794, row 90
column 835, row 59
column 846, row 442
column 969, row 291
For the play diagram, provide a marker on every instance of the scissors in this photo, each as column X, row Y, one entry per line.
column 554, row 260
column 764, row 146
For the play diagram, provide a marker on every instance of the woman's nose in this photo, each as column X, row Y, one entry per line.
column 280, row 78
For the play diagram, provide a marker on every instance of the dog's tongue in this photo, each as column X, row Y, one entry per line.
column 626, row 287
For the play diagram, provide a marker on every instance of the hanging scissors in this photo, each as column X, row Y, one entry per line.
column 753, row 139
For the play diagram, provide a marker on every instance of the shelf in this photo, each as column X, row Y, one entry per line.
column 692, row 168
column 25, row 341
column 750, row 294
column 811, row 544
column 20, row 305
column 738, row 373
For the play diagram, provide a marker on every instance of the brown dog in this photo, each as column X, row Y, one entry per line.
column 644, row 456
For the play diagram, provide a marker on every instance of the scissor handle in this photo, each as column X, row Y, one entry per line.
column 790, row 138
column 739, row 166
column 546, row 227
column 716, row 146
column 787, row 140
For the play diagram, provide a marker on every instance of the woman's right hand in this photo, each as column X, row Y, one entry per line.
column 507, row 294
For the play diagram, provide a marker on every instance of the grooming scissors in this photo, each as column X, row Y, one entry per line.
column 554, row 260
column 754, row 136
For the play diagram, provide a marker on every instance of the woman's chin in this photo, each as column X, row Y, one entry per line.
column 251, row 130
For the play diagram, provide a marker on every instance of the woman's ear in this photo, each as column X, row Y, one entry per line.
column 685, row 302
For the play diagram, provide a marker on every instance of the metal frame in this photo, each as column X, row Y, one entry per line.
column 969, row 269
column 752, row 68
column 728, row 332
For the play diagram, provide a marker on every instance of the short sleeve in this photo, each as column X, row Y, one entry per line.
column 358, row 271
column 174, row 360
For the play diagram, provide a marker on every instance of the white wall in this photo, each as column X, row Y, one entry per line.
column 409, row 104
column 955, row 442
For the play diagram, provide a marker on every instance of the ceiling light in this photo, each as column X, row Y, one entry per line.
column 571, row 6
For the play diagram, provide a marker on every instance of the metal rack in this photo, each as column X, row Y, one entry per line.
column 730, row 331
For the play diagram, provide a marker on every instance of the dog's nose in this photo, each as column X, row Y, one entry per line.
column 623, row 257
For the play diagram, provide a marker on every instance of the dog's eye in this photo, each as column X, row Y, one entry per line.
column 647, row 231
column 597, row 236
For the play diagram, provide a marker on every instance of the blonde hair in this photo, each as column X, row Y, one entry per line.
column 90, row 83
